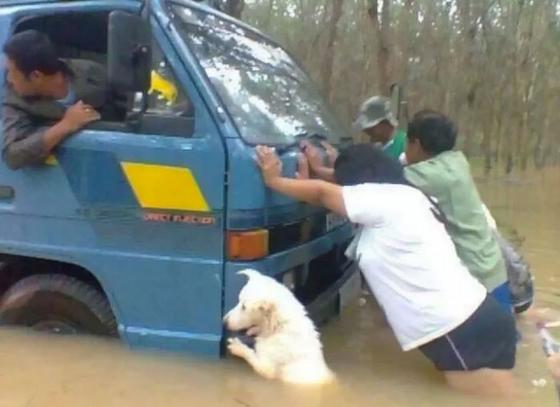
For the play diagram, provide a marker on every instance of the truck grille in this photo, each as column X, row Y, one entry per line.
column 313, row 279
column 284, row 237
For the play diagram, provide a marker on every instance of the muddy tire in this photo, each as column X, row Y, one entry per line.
column 58, row 304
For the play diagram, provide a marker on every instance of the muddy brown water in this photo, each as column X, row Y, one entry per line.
column 42, row 371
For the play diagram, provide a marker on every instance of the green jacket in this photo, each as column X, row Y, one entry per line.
column 447, row 178
column 397, row 145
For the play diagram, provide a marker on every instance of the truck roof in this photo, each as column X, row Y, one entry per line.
column 199, row 4
column 23, row 2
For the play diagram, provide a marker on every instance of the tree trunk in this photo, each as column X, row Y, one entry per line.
column 540, row 151
column 233, row 7
column 381, row 25
column 469, row 30
column 406, row 39
column 269, row 13
column 330, row 49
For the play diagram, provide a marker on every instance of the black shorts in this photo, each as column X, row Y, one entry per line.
column 486, row 340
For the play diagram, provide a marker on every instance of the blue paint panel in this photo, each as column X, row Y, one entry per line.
column 5, row 23
column 151, row 292
column 201, row 344
column 18, row 8
column 164, row 239
column 96, row 178
column 246, row 177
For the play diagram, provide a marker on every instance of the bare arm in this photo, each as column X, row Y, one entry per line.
column 319, row 169
column 55, row 135
column 324, row 173
column 315, row 192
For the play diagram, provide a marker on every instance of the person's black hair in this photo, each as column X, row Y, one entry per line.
column 33, row 51
column 435, row 131
column 365, row 163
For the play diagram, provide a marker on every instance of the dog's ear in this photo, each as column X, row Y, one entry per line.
column 269, row 316
column 266, row 307
column 250, row 273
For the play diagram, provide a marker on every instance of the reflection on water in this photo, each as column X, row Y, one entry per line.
column 528, row 210
column 58, row 371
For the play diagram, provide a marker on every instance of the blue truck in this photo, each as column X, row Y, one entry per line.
column 137, row 228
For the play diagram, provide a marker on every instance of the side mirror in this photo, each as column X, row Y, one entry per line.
column 129, row 53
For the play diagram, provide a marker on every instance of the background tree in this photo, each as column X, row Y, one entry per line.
column 492, row 65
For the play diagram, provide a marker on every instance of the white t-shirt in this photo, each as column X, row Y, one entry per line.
column 410, row 263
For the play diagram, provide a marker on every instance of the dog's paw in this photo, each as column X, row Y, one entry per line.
column 237, row 348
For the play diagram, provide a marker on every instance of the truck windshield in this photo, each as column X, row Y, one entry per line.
column 270, row 98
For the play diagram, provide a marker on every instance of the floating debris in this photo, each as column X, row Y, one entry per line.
column 539, row 382
column 555, row 324
column 549, row 344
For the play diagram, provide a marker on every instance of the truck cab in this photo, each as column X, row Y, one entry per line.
column 137, row 228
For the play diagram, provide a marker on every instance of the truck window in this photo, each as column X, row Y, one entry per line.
column 166, row 100
column 166, row 96
column 81, row 44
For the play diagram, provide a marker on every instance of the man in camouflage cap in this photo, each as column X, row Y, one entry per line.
column 378, row 122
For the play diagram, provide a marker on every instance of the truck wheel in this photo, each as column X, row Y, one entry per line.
column 58, row 304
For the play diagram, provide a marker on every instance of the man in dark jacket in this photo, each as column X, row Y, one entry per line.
column 46, row 99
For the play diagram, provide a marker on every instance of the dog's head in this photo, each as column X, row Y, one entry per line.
column 258, row 304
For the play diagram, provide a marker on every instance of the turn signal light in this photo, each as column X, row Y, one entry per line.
column 247, row 245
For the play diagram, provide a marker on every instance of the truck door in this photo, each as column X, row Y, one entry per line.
column 141, row 207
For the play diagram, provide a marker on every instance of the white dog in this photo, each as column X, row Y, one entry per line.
column 287, row 345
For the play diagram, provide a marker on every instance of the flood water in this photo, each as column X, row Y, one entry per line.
column 66, row 371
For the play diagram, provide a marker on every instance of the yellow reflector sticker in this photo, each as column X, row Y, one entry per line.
column 51, row 160
column 164, row 187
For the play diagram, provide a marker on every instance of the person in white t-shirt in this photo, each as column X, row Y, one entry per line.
column 430, row 299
